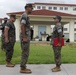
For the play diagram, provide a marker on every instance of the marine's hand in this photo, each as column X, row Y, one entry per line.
column 25, row 39
column 6, row 40
column 59, row 44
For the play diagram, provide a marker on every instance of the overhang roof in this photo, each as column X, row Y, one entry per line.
column 45, row 13
column 1, row 19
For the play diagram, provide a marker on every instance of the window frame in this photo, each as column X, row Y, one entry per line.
column 43, row 7
column 65, row 8
column 61, row 8
column 54, row 8
column 38, row 7
column 50, row 8
column 65, row 29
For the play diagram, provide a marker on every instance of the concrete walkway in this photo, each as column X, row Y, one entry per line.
column 43, row 69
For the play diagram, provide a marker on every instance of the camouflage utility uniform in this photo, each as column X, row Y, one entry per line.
column 11, row 37
column 57, row 32
column 2, row 37
column 25, row 45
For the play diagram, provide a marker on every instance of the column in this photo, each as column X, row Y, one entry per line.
column 35, row 30
column 48, row 29
column 17, row 26
column 71, row 31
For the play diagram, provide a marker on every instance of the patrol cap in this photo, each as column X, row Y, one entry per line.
column 5, row 18
column 58, row 17
column 29, row 5
column 14, row 16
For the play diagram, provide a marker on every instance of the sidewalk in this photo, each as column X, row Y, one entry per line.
column 43, row 69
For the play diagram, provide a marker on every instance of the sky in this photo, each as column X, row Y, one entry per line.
column 7, row 6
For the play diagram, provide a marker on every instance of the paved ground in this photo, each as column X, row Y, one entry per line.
column 67, row 69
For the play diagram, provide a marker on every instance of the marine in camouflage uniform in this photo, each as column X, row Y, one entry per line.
column 25, row 38
column 2, row 36
column 10, row 39
column 25, row 45
column 57, row 33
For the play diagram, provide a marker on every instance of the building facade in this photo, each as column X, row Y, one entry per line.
column 60, row 7
column 64, row 8
column 42, row 19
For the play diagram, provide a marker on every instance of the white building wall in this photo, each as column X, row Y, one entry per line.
column 66, row 26
column 69, row 11
column 35, row 30
column 48, row 29
column 17, row 25
column 71, row 30
column 70, row 8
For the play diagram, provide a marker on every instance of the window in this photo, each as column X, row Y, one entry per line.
column 49, row 8
column 74, row 29
column 74, row 9
column 38, row 7
column 66, row 8
column 43, row 7
column 61, row 8
column 55, row 8
column 65, row 29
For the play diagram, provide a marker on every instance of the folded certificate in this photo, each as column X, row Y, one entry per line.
column 56, row 41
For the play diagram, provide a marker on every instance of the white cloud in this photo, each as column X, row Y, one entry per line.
column 18, row 5
column 11, row 6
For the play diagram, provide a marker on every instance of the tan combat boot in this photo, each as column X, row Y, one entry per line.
column 9, row 64
column 56, row 69
column 25, row 70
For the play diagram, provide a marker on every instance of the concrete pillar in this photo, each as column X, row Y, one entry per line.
column 35, row 30
column 17, row 26
column 71, row 31
column 48, row 29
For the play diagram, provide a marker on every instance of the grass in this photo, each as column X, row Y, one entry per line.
column 42, row 54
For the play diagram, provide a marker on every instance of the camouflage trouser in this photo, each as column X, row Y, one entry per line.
column 25, row 53
column 9, row 51
column 2, row 42
column 57, row 55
